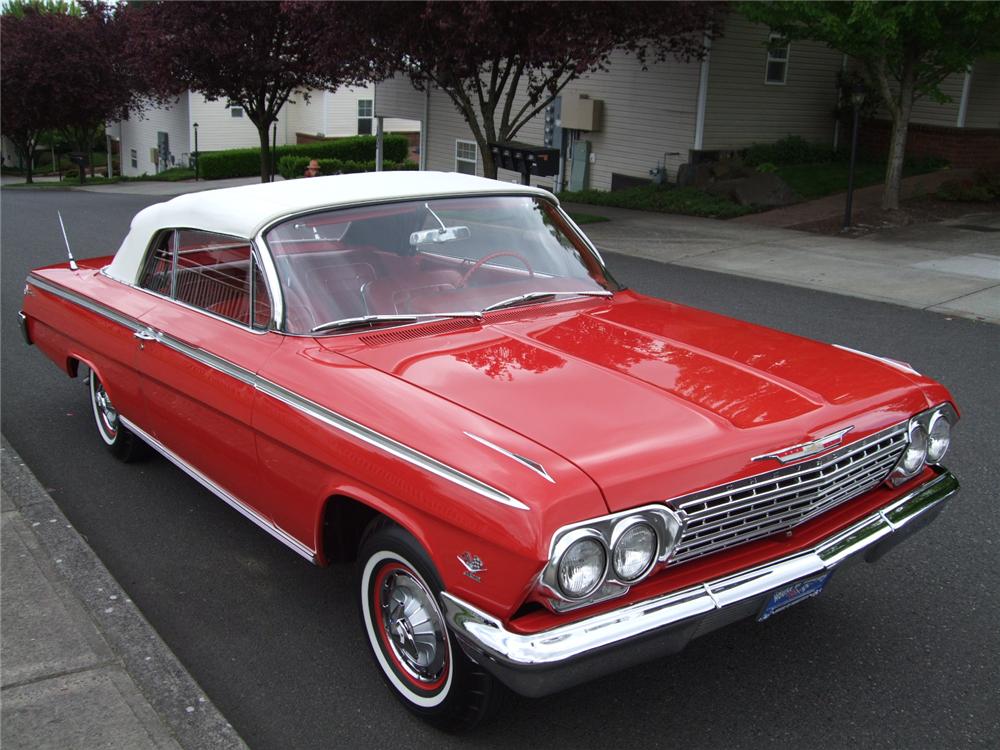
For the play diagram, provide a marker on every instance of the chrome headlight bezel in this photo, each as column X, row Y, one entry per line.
column 919, row 428
column 938, row 418
column 666, row 523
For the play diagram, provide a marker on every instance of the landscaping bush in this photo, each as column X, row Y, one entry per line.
column 982, row 187
column 688, row 200
column 245, row 162
column 790, row 150
column 293, row 167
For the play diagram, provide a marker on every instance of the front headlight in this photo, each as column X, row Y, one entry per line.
column 938, row 438
column 634, row 551
column 582, row 567
column 915, row 454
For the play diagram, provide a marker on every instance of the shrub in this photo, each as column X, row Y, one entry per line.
column 245, row 162
column 687, row 200
column 293, row 167
column 789, row 150
column 981, row 188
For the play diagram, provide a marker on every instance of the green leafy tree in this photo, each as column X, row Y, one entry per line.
column 906, row 49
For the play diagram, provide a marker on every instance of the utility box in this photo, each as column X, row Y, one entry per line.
column 581, row 113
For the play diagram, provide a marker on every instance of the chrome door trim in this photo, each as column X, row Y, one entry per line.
column 385, row 443
column 294, row 400
column 229, row 499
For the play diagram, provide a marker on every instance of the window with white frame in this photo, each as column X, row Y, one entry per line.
column 465, row 157
column 366, row 110
column 134, row 157
column 776, row 71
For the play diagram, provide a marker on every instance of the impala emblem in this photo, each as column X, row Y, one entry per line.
column 473, row 565
column 803, row 450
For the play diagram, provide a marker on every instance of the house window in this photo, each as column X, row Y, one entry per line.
column 366, row 110
column 235, row 111
column 134, row 156
column 465, row 157
column 776, row 71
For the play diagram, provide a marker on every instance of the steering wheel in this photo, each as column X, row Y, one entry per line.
column 490, row 256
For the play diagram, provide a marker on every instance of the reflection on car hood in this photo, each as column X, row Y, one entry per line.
column 651, row 399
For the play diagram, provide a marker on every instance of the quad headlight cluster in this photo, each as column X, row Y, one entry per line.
column 929, row 436
column 603, row 557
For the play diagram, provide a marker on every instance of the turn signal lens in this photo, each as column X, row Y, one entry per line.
column 582, row 567
column 634, row 552
column 938, row 438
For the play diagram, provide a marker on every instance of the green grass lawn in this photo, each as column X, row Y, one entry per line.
column 664, row 200
column 811, row 181
column 581, row 218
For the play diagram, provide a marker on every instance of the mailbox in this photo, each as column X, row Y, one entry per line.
column 79, row 158
column 527, row 159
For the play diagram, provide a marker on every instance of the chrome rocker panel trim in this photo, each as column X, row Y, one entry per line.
column 542, row 663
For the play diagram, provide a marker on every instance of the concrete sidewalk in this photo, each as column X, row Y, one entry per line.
column 951, row 268
column 80, row 666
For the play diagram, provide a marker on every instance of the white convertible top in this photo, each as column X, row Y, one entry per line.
column 244, row 211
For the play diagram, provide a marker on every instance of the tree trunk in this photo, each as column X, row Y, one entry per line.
column 489, row 166
column 897, row 144
column 265, row 152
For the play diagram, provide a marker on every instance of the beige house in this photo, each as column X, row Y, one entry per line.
column 742, row 93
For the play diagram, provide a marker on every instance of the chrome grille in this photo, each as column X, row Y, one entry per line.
column 766, row 504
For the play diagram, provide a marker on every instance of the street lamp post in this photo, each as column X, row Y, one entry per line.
column 196, row 152
column 857, row 99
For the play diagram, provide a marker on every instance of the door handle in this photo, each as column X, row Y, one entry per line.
column 146, row 334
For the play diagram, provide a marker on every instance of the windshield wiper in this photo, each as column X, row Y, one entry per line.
column 373, row 320
column 523, row 299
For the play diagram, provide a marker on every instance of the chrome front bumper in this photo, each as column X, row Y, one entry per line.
column 543, row 663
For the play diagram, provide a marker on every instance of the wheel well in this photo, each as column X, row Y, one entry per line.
column 344, row 522
column 72, row 366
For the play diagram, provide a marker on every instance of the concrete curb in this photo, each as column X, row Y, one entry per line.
column 178, row 701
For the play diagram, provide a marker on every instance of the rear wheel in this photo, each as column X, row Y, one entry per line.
column 410, row 641
column 122, row 443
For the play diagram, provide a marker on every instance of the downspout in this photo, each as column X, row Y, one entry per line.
column 425, row 128
column 963, row 105
column 699, row 123
column 326, row 113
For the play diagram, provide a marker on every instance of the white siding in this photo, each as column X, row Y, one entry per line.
column 646, row 113
column 219, row 130
column 140, row 133
column 742, row 109
column 984, row 96
column 929, row 112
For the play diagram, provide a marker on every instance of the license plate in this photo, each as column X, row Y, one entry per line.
column 792, row 594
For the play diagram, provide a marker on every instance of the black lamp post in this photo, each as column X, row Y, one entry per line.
column 196, row 152
column 857, row 99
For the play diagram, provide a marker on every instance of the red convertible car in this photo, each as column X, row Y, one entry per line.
column 542, row 475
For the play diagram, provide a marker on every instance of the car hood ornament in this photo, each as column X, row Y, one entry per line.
column 804, row 450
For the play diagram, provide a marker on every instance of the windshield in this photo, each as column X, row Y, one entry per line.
column 425, row 258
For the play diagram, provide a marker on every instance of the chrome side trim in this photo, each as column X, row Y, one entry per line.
column 512, row 654
column 300, row 403
column 86, row 303
column 884, row 360
column 231, row 500
column 385, row 443
column 533, row 465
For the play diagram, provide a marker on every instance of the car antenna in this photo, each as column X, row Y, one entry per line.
column 72, row 261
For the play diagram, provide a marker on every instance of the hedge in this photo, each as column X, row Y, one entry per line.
column 291, row 167
column 245, row 162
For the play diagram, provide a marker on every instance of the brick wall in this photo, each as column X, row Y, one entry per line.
column 962, row 147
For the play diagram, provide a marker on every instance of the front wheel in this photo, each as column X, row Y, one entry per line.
column 122, row 443
column 422, row 665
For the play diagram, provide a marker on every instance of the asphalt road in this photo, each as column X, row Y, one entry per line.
column 902, row 654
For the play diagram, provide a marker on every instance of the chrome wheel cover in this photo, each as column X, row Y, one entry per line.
column 413, row 626
column 104, row 410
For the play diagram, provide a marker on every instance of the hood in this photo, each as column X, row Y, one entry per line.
column 651, row 399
